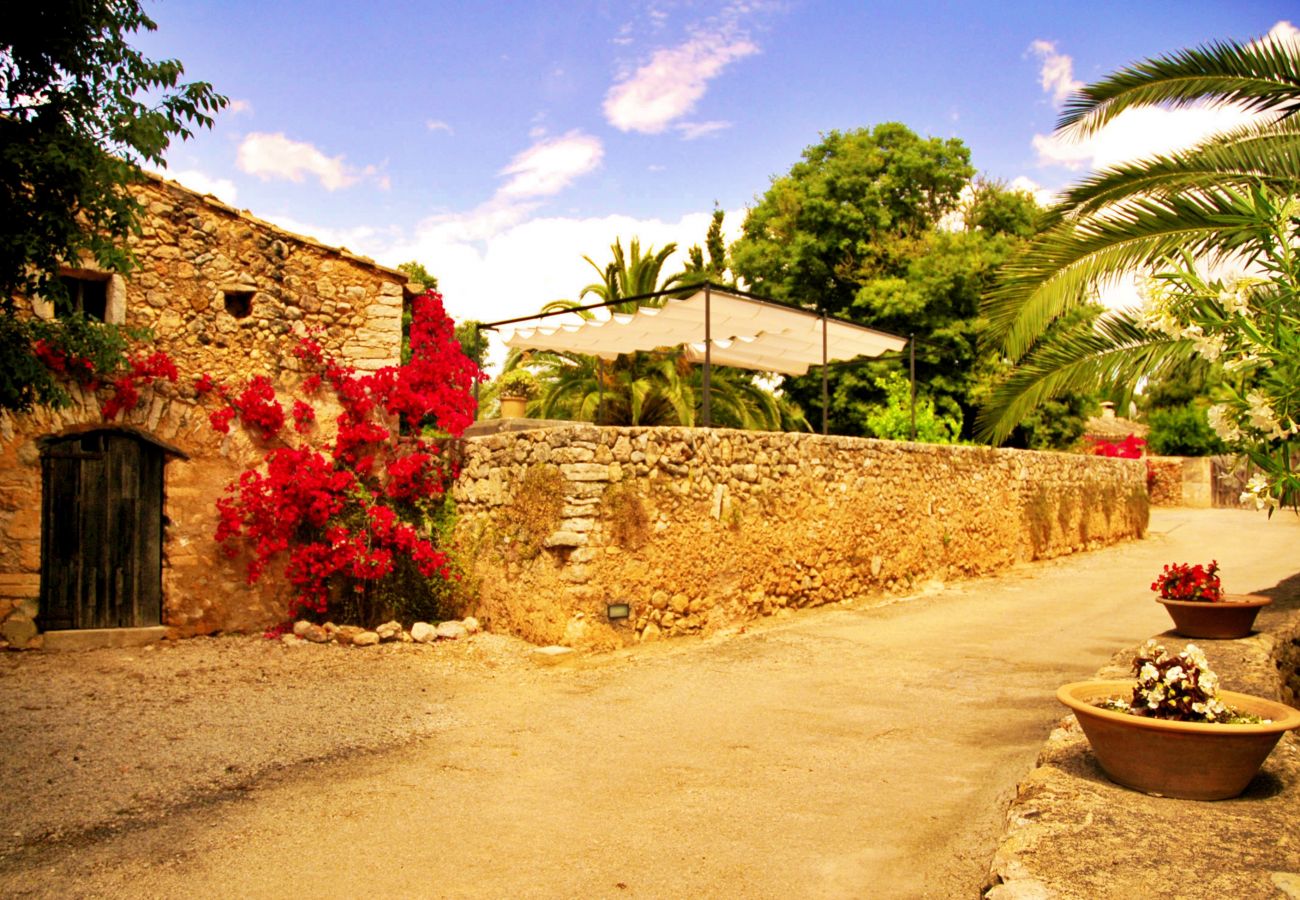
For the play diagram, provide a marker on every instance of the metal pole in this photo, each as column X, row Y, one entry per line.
column 911, row 345
column 708, row 360
column 825, row 387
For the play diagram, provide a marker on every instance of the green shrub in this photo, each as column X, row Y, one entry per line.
column 1182, row 431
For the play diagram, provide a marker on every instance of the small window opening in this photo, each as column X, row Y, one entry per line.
column 239, row 303
column 88, row 296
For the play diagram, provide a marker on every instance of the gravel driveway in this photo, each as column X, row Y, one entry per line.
column 94, row 740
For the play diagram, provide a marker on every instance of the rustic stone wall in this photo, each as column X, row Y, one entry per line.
column 697, row 529
column 1181, row 481
column 1165, row 481
column 195, row 253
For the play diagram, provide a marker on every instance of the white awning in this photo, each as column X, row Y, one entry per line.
column 746, row 333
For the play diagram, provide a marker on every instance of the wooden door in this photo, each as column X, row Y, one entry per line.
column 101, row 532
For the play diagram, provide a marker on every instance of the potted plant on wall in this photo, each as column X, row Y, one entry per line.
column 515, row 388
column 1174, row 733
column 1194, row 597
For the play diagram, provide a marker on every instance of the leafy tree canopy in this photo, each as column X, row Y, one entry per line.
column 888, row 229
column 80, row 111
column 849, row 210
column 698, row 271
column 419, row 274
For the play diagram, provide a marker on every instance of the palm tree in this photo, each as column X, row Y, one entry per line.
column 1202, row 202
column 659, row 387
column 631, row 274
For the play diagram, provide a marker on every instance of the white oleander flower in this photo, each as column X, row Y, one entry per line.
column 1262, row 417
column 1223, row 423
column 1257, row 491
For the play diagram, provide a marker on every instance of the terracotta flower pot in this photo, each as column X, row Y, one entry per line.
column 1188, row 760
column 514, row 407
column 1230, row 618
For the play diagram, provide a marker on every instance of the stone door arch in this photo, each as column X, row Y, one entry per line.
column 101, row 530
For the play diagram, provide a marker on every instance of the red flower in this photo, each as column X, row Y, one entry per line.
column 1181, row 581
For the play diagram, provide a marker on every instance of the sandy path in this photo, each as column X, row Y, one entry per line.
column 835, row 753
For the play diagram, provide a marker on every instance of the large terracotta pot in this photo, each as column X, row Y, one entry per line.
column 1230, row 618
column 514, row 407
column 1189, row 760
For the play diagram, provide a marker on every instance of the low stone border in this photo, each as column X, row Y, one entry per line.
column 305, row 632
column 1072, row 833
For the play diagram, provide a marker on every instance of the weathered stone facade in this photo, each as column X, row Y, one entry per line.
column 697, row 529
column 223, row 294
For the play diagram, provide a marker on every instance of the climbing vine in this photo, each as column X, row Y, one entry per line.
column 355, row 518
column 348, row 514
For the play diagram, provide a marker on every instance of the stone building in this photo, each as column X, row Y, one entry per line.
column 110, row 524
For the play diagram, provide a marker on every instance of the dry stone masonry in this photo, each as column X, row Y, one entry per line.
column 697, row 529
column 224, row 294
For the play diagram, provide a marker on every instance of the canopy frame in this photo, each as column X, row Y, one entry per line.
column 708, row 290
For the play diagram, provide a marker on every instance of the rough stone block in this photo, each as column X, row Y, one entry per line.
column 18, row 631
column 19, row 585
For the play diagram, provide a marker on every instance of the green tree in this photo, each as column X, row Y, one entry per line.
column 80, row 111
column 698, row 271
column 1182, row 431
column 847, row 211
column 871, row 225
column 899, row 419
column 419, row 274
column 630, row 274
column 1138, row 217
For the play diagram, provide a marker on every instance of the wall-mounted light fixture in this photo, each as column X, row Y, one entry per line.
column 618, row 611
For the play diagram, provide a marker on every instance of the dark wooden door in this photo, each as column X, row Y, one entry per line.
column 101, row 532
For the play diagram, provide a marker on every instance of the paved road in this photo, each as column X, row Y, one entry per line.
column 834, row 753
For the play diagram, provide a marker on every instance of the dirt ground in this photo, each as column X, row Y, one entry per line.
column 856, row 751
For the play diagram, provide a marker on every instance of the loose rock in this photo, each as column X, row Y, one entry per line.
column 451, row 631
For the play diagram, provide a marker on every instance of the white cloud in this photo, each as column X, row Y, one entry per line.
column 1137, row 133
column 548, row 167
column 672, row 82
column 222, row 188
column 692, row 130
column 274, row 156
column 1285, row 31
column 1042, row 195
column 491, row 266
column 1057, row 72
column 237, row 107
column 438, row 125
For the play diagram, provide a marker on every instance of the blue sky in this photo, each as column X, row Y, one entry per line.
column 498, row 142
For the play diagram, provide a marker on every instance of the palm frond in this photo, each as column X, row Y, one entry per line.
column 1260, row 76
column 1070, row 261
column 1261, row 153
column 1112, row 358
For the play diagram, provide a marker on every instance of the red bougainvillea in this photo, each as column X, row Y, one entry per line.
column 344, row 514
column 65, row 365
column 1129, row 448
column 141, row 371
